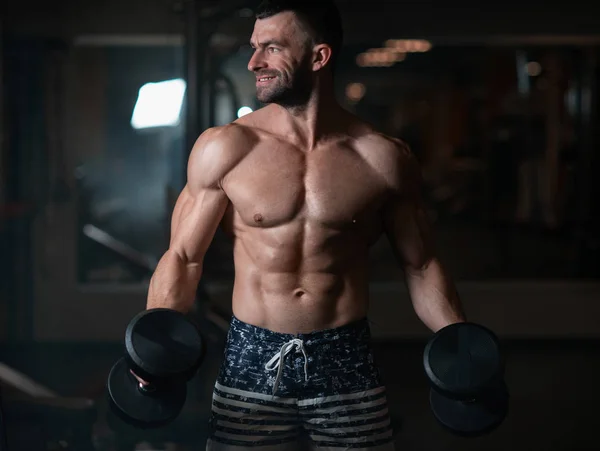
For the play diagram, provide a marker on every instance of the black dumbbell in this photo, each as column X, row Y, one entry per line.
column 165, row 349
column 464, row 365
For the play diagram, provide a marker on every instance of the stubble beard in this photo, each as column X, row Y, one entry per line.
column 294, row 94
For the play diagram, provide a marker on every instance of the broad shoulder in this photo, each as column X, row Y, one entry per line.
column 261, row 119
column 216, row 152
column 390, row 157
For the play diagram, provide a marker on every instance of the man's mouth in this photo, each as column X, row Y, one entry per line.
column 264, row 79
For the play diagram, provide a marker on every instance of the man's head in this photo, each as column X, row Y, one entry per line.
column 294, row 41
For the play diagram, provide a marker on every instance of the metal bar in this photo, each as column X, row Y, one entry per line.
column 213, row 63
column 121, row 248
column 194, row 70
column 585, row 179
column 3, row 188
column 23, row 383
column 150, row 263
column 139, row 40
column 233, row 94
column 522, row 75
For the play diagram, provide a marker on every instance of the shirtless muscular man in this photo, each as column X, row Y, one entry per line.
column 304, row 188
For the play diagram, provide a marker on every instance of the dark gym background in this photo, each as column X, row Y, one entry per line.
column 498, row 100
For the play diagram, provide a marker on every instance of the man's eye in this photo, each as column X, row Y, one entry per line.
column 273, row 50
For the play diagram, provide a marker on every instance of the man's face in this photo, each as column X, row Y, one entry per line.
column 281, row 60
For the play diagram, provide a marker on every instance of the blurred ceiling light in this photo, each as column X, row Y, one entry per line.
column 243, row 111
column 159, row 104
column 355, row 91
column 409, row 45
column 400, row 56
column 361, row 59
column 379, row 57
column 533, row 68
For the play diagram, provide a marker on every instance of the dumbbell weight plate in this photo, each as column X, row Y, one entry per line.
column 162, row 344
column 466, row 371
column 462, row 359
column 143, row 409
column 470, row 419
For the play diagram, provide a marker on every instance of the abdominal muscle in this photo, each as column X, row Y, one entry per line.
column 295, row 291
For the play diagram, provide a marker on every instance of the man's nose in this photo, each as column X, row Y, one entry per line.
column 257, row 62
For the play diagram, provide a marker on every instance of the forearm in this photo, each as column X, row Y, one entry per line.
column 434, row 296
column 174, row 283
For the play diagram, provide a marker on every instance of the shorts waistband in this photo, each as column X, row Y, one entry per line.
column 355, row 330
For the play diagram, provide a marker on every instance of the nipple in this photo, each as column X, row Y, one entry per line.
column 258, row 217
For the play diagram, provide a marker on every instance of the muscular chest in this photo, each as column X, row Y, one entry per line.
column 332, row 186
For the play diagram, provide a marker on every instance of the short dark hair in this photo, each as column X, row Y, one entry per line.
column 322, row 18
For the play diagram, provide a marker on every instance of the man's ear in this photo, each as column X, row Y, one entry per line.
column 321, row 56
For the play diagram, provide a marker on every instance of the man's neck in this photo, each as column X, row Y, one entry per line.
column 309, row 123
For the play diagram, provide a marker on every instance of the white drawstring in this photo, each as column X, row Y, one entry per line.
column 277, row 360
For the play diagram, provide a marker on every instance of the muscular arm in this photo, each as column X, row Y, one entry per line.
column 431, row 290
column 196, row 216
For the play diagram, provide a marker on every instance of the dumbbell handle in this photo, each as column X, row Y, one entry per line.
column 146, row 388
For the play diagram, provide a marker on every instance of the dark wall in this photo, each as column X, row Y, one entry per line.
column 364, row 21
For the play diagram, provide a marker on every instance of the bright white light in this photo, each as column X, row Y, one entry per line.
column 244, row 110
column 159, row 104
